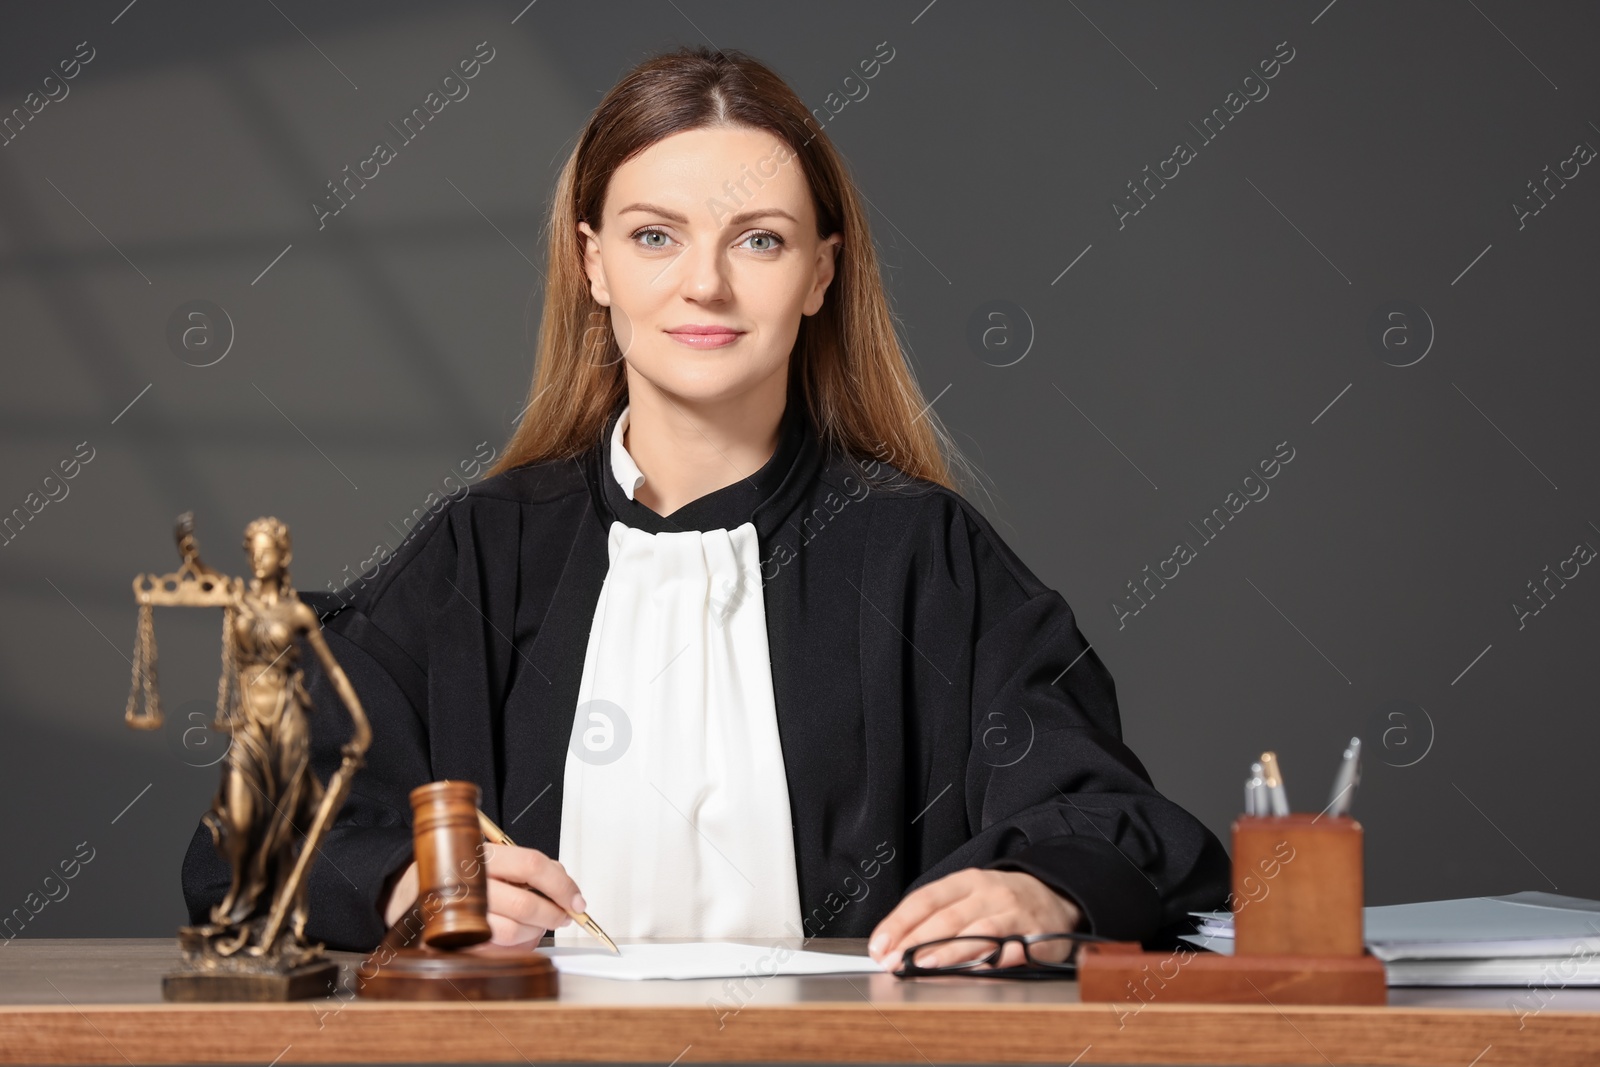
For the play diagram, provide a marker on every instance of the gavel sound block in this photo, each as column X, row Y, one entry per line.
column 1297, row 933
column 439, row 949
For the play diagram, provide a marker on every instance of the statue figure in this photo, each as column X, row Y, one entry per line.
column 270, row 811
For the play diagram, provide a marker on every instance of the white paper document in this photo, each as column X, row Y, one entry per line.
column 702, row 959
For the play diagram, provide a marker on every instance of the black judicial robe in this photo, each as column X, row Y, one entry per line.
column 937, row 706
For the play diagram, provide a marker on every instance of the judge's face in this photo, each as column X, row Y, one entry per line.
column 715, row 229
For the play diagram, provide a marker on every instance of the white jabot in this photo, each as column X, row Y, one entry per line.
column 675, row 817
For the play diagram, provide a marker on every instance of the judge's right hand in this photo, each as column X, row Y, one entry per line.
column 516, row 915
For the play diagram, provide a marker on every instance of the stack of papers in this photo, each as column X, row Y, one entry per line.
column 702, row 959
column 1473, row 941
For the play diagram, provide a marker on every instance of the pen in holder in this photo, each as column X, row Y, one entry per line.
column 440, row 949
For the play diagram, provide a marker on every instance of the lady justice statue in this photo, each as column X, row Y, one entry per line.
column 269, row 800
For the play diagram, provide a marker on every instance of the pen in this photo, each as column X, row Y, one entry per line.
column 1256, row 802
column 500, row 837
column 1276, row 793
column 1344, row 782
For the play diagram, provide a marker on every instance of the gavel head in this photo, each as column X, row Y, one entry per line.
column 452, row 885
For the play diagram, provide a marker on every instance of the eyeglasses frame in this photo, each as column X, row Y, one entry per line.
column 909, row 969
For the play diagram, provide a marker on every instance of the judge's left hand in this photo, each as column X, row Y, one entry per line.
column 973, row 901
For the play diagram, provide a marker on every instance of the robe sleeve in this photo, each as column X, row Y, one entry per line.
column 376, row 631
column 1051, row 789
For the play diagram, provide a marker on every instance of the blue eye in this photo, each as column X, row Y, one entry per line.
column 766, row 235
column 649, row 231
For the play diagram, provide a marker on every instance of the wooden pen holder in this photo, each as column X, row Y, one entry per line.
column 440, row 949
column 1297, row 883
column 1297, row 930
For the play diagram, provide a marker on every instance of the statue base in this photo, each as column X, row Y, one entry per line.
column 299, row 973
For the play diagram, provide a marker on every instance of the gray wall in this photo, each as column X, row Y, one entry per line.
column 1140, row 368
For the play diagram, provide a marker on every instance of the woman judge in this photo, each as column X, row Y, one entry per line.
column 717, row 638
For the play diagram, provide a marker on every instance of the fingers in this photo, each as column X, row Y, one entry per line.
column 518, row 905
column 977, row 913
column 512, row 863
column 402, row 895
column 1054, row 951
column 1011, row 954
column 974, row 902
column 975, row 917
column 504, row 931
column 889, row 939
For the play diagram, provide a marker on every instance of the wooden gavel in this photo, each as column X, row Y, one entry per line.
column 450, row 917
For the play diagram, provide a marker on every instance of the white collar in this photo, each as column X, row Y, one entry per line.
column 623, row 468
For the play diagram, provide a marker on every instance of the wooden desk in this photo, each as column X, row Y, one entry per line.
column 93, row 1001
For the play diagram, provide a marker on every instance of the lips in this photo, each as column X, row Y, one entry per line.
column 697, row 335
column 705, row 331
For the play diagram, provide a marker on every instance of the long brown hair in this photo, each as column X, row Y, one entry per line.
column 847, row 360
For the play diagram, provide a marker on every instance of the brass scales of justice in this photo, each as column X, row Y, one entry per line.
column 271, row 812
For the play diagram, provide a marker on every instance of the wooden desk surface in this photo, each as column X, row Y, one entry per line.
column 93, row 1001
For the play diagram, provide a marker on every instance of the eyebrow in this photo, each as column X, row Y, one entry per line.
column 736, row 220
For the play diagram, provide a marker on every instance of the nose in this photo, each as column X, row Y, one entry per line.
column 704, row 273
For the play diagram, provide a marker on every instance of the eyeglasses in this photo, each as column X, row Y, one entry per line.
column 1046, row 955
